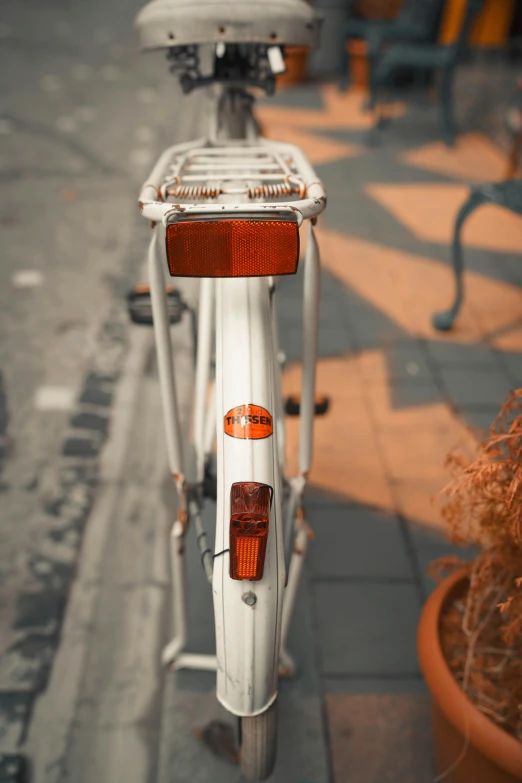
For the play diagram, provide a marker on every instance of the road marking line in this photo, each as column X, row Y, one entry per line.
column 54, row 398
column 27, row 278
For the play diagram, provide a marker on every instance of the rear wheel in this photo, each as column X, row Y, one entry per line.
column 258, row 743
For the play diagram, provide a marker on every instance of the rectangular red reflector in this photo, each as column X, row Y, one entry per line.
column 232, row 247
column 249, row 519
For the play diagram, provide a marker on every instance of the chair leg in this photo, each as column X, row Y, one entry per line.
column 446, row 105
column 444, row 319
column 514, row 156
column 344, row 66
column 371, row 102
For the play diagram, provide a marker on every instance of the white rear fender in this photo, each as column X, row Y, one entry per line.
column 247, row 636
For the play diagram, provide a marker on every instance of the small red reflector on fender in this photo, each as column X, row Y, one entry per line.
column 232, row 247
column 249, row 519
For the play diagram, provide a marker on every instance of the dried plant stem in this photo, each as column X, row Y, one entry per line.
column 476, row 634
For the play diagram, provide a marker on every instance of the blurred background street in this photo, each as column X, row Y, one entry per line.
column 85, row 498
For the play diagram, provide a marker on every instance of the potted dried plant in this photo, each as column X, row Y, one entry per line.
column 470, row 632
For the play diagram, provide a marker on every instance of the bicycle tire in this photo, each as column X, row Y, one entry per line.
column 259, row 744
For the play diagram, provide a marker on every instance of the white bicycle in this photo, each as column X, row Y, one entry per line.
column 228, row 209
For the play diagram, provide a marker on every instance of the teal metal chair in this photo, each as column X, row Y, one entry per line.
column 505, row 194
column 443, row 58
column 417, row 21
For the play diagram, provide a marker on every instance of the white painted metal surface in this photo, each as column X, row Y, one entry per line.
column 177, row 559
column 164, row 352
column 201, row 407
column 300, row 545
column 166, row 23
column 311, row 294
column 247, row 637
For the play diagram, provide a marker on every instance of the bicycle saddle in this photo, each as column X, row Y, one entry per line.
column 165, row 24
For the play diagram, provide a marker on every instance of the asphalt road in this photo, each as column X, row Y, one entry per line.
column 82, row 117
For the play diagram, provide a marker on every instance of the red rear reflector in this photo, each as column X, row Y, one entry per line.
column 249, row 516
column 232, row 248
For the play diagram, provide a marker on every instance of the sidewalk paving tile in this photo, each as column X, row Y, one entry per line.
column 407, row 360
column 357, row 685
column 475, row 386
column 430, row 545
column 380, row 738
column 446, row 353
column 367, row 628
column 413, row 391
column 479, row 417
column 357, row 542
column 513, row 364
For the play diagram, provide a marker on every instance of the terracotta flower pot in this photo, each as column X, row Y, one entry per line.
column 492, row 755
column 295, row 60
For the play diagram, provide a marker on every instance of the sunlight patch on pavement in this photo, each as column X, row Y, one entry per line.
column 409, row 288
column 474, row 157
column 368, row 450
column 429, row 211
column 342, row 110
column 317, row 149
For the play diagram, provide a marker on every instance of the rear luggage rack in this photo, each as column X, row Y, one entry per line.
column 203, row 177
column 257, row 173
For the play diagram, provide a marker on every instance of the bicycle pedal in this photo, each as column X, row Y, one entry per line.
column 286, row 672
column 140, row 308
column 209, row 485
column 293, row 405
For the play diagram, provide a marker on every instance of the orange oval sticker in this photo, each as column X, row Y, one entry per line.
column 249, row 422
